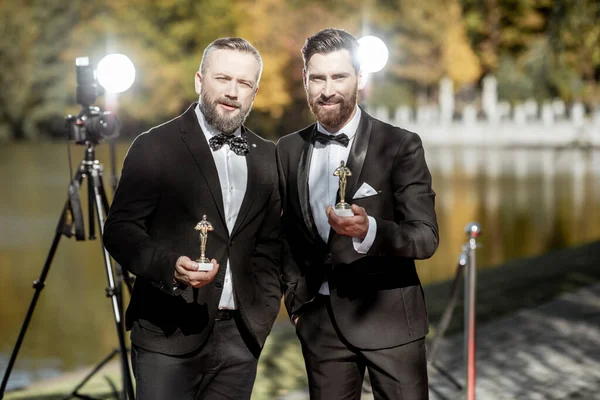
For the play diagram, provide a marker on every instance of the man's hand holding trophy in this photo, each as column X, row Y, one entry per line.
column 343, row 209
column 204, row 227
column 346, row 219
column 200, row 272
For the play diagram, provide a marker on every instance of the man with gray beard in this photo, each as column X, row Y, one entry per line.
column 198, row 334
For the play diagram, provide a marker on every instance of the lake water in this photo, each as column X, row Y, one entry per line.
column 527, row 201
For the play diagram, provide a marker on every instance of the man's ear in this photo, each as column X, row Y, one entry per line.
column 198, row 82
column 362, row 79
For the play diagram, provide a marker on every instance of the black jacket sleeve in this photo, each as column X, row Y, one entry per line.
column 135, row 202
column 414, row 231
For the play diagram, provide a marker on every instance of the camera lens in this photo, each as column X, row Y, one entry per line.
column 103, row 125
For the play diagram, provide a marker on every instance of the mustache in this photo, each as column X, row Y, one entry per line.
column 228, row 102
column 329, row 101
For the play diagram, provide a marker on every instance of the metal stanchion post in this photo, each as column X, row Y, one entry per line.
column 473, row 231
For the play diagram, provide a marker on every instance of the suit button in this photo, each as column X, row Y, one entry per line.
column 328, row 257
column 219, row 285
column 231, row 242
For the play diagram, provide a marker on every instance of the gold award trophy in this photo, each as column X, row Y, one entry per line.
column 204, row 227
column 343, row 209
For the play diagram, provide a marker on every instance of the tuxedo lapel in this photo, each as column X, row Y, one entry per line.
column 356, row 160
column 357, row 155
column 303, row 191
column 253, row 164
column 194, row 139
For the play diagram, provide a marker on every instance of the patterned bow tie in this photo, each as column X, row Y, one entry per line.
column 327, row 139
column 238, row 144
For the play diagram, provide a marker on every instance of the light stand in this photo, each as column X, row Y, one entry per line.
column 71, row 222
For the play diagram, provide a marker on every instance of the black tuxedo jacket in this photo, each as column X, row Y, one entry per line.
column 169, row 181
column 376, row 298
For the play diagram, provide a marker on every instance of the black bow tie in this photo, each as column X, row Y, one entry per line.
column 238, row 144
column 342, row 138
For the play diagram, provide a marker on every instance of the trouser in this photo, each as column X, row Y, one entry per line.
column 336, row 369
column 223, row 368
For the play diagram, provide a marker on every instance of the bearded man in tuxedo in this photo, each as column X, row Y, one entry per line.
column 198, row 334
column 350, row 283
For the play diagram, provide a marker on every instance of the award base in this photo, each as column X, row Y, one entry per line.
column 204, row 265
column 343, row 210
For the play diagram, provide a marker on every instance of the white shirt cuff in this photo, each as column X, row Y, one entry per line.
column 363, row 246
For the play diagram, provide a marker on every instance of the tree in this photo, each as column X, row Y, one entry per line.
column 540, row 48
column 575, row 43
column 497, row 27
column 32, row 72
column 428, row 43
column 165, row 43
column 279, row 29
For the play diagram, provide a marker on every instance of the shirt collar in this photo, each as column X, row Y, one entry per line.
column 349, row 129
column 209, row 130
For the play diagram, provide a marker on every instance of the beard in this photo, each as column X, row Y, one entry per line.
column 333, row 119
column 230, row 121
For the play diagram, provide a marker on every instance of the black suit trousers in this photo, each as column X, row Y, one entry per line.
column 223, row 369
column 336, row 369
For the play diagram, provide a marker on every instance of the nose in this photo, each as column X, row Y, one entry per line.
column 328, row 89
column 231, row 92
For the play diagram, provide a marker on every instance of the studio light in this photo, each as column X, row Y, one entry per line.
column 373, row 54
column 116, row 73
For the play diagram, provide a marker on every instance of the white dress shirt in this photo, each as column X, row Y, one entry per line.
column 323, row 186
column 233, row 177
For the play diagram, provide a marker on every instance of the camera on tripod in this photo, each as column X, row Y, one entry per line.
column 88, row 128
column 92, row 124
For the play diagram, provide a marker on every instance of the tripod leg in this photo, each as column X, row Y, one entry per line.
column 121, row 275
column 112, row 291
column 104, row 201
column 91, row 194
column 90, row 374
column 38, row 285
column 103, row 196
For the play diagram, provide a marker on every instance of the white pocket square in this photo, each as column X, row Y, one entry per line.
column 364, row 191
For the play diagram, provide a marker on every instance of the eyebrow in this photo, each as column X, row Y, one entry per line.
column 334, row 76
column 225, row 75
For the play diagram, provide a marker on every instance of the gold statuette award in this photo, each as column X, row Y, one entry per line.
column 204, row 227
column 343, row 209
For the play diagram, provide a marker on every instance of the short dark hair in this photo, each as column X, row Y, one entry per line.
column 330, row 40
column 231, row 43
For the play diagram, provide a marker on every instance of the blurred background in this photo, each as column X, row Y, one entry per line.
column 504, row 93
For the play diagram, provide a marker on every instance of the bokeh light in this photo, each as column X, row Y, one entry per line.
column 116, row 73
column 373, row 54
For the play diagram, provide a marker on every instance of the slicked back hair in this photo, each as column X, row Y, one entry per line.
column 330, row 40
column 231, row 43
